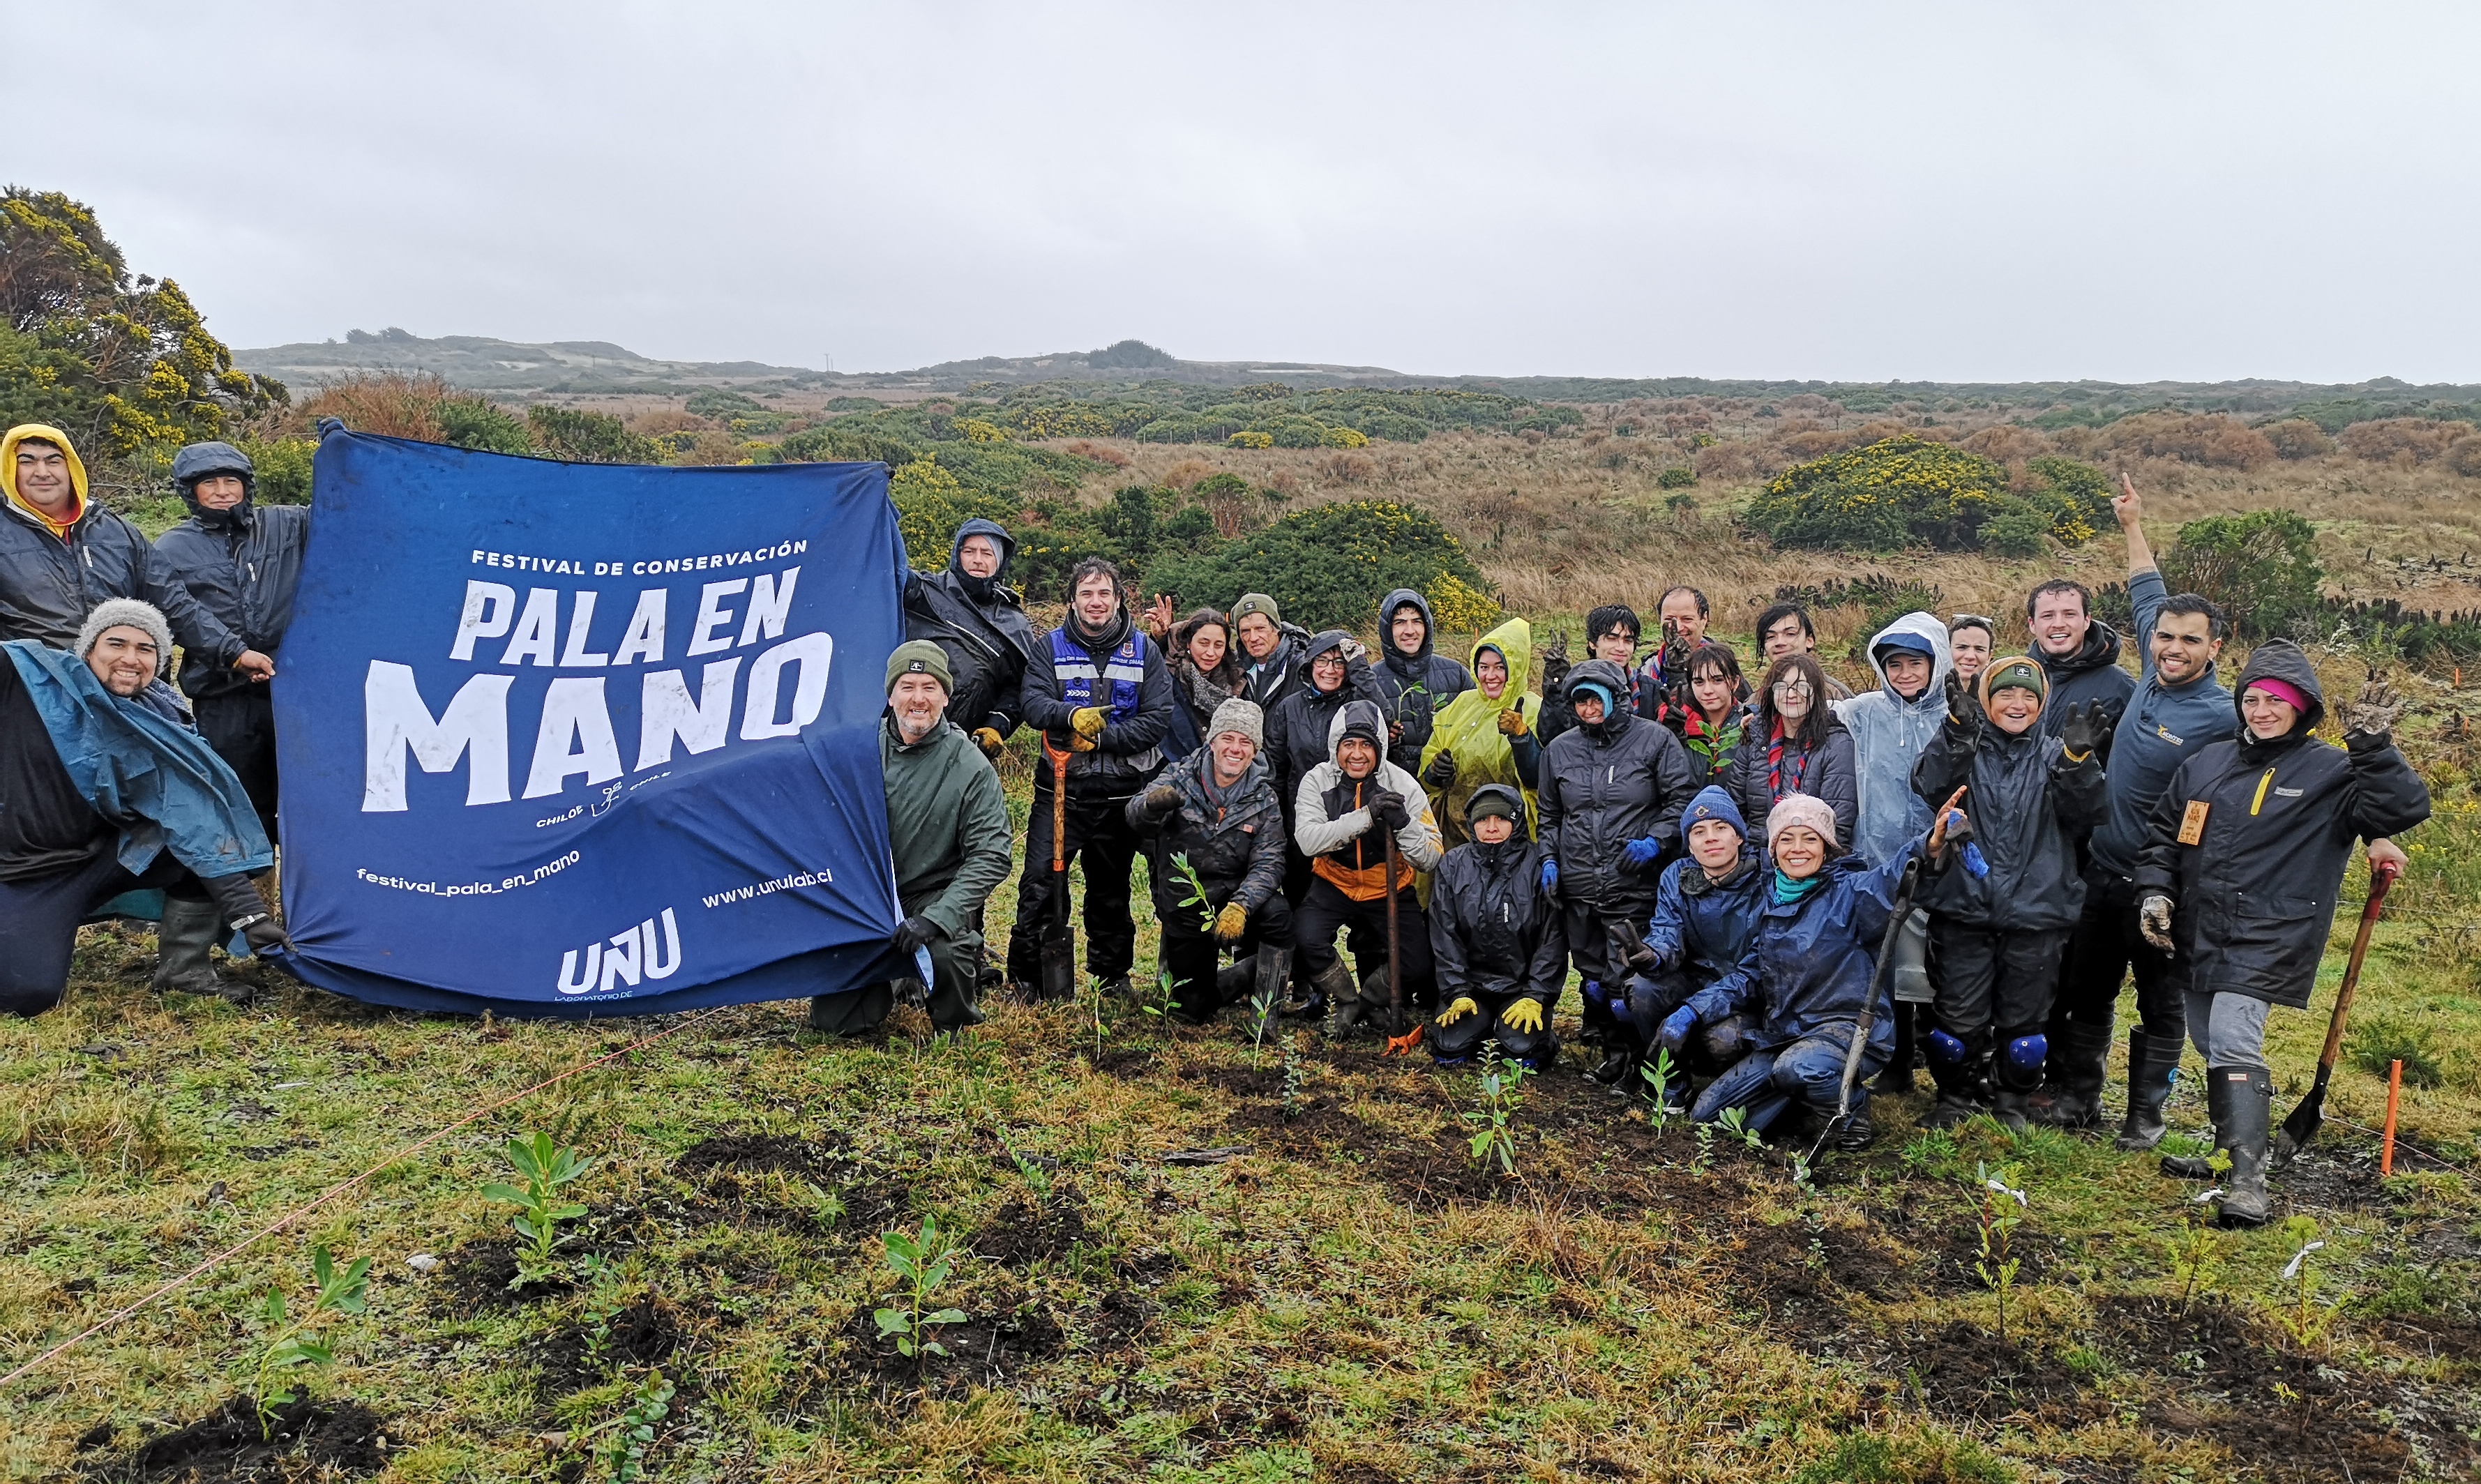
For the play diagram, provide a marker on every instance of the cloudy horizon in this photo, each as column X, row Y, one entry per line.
column 1945, row 193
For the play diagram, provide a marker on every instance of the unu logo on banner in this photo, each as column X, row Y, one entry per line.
column 581, row 738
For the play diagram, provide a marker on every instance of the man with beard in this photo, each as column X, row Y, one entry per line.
column 978, row 623
column 1098, row 690
column 948, row 828
column 1412, row 681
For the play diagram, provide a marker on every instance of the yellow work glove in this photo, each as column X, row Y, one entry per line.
column 988, row 739
column 1511, row 724
column 1524, row 1015
column 1231, row 923
column 1087, row 722
column 1458, row 1011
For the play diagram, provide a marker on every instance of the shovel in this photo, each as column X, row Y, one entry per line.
column 1058, row 943
column 2302, row 1126
column 1399, row 1041
column 1895, row 920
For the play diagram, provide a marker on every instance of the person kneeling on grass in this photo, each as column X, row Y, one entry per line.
column 1806, row 976
column 1215, row 812
column 947, row 826
column 101, row 793
column 1342, row 816
column 1496, row 937
column 1704, row 913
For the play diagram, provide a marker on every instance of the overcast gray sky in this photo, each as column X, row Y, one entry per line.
column 1964, row 191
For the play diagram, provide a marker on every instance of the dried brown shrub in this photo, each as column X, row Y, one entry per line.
column 2213, row 439
column 1800, row 448
column 2297, row 437
column 663, row 420
column 713, row 448
column 392, row 403
column 2388, row 440
column 2006, row 443
column 1186, row 473
column 2463, row 455
column 1342, row 468
column 1104, row 454
column 1727, row 461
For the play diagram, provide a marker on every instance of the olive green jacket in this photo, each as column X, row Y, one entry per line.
column 948, row 824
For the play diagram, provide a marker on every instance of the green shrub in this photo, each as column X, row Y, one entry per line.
column 281, row 467
column 1882, row 600
column 1907, row 491
column 931, row 504
column 2017, row 530
column 839, row 444
column 1330, row 565
column 2378, row 1041
column 1677, row 476
column 475, row 422
column 588, row 437
column 2261, row 567
column 716, row 401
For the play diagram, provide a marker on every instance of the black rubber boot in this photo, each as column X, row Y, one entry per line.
column 1898, row 1076
column 2074, row 1076
column 1963, row 1087
column 2153, row 1071
column 182, row 940
column 2242, row 1099
column 1616, row 1070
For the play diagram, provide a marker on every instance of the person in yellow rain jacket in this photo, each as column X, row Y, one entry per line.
column 1485, row 735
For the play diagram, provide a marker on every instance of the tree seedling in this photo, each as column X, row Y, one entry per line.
column 1998, row 1265
column 1735, row 1123
column 1292, row 1077
column 1196, row 897
column 2194, row 1258
column 1159, row 1003
column 545, row 1166
column 1262, row 1014
column 1498, row 1094
column 602, row 1306
column 1658, row 1074
column 1705, row 1159
column 632, row 1433
column 2305, row 1321
column 291, row 1344
column 921, row 1260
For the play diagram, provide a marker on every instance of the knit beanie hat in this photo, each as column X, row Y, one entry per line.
column 2282, row 690
column 1256, row 603
column 1494, row 800
column 1715, row 803
column 1240, row 715
column 2020, row 670
column 920, row 657
column 114, row 612
column 1806, row 809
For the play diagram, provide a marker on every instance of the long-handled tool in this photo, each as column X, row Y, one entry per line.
column 2302, row 1126
column 1861, row 1029
column 1399, row 1041
column 1058, row 943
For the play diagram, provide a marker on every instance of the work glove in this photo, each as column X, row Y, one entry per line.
column 915, row 932
column 1524, row 1015
column 1086, row 721
column 1511, row 722
column 1458, row 1011
column 1551, row 879
column 1676, row 1028
column 989, row 739
column 1555, row 661
column 1963, row 711
column 246, row 911
column 2154, row 921
column 2080, row 730
column 1159, row 802
column 1231, row 923
column 2374, row 712
column 1388, row 809
column 1442, row 772
column 1354, row 651
column 1642, row 854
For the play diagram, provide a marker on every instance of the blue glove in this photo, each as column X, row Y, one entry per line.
column 1642, row 852
column 1549, row 875
column 1675, row 1027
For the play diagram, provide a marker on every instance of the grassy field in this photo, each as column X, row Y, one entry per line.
column 1194, row 1259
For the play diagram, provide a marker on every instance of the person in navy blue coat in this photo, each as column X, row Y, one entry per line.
column 1705, row 911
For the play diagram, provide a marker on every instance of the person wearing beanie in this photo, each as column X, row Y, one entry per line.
column 1216, row 813
column 948, row 833
column 1609, row 802
column 971, row 614
column 1332, row 668
column 242, row 563
column 1500, row 951
column 1610, row 634
column 1269, row 650
column 1098, row 690
column 1805, row 979
column 1485, row 735
column 1342, row 813
column 2002, row 909
column 1704, row 912
column 107, row 791
column 61, row 553
column 2237, row 883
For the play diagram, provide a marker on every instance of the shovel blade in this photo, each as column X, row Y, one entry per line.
column 2303, row 1124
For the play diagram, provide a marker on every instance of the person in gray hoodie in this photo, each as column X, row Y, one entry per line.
column 2177, row 710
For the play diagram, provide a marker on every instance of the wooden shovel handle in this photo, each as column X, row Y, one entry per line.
column 2378, row 880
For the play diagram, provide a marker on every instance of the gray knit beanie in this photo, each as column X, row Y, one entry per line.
column 1238, row 715
column 114, row 612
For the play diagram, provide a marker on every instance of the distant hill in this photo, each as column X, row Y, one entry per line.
column 584, row 367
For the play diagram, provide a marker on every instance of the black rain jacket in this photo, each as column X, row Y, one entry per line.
column 1236, row 845
column 242, row 566
column 2031, row 811
column 1623, row 778
column 49, row 583
column 979, row 625
column 1492, row 930
column 1410, row 689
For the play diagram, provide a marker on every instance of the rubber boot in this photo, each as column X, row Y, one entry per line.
column 1896, row 1078
column 2076, row 1076
column 1618, row 1069
column 1963, row 1081
column 2242, row 1099
column 1333, row 986
column 2153, row 1071
column 1234, row 981
column 182, row 939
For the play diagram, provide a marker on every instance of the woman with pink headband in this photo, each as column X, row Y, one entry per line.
column 2239, row 876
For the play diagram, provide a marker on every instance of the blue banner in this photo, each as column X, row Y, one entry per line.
column 586, row 738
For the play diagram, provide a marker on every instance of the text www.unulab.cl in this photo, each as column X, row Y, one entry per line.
column 756, row 889
column 543, row 873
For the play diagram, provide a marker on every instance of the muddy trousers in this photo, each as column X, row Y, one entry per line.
column 1810, row 1071
column 1463, row 1041
column 1099, row 835
column 1994, row 990
column 953, row 962
column 1190, row 953
column 240, row 726
column 1709, row 1047
column 39, row 916
column 1324, row 909
column 1602, row 963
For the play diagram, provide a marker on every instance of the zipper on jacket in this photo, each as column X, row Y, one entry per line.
column 2259, row 802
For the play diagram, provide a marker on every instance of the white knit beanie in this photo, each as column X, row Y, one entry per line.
column 113, row 613
column 1801, row 809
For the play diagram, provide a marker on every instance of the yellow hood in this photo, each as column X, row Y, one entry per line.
column 1469, row 727
column 47, row 433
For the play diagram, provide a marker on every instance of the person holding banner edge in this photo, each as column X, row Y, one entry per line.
column 948, row 831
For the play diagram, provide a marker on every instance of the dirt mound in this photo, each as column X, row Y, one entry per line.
column 1022, row 1233
column 645, row 1333
column 307, row 1437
